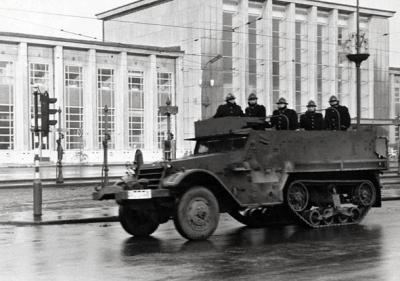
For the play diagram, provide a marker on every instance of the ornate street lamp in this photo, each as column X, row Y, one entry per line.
column 358, row 58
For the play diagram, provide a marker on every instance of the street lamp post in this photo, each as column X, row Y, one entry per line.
column 60, row 151
column 358, row 58
column 106, row 139
column 168, row 110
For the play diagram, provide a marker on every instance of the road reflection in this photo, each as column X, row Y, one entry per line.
column 283, row 252
column 248, row 237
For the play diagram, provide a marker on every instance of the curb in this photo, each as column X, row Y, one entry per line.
column 61, row 222
column 394, row 198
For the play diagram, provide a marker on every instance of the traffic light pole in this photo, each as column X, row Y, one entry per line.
column 104, row 179
column 60, row 151
column 37, row 184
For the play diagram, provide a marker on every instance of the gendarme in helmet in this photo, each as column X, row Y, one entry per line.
column 281, row 101
column 333, row 98
column 311, row 103
column 229, row 97
column 252, row 96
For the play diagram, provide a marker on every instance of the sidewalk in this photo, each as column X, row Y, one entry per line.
column 71, row 216
column 60, row 206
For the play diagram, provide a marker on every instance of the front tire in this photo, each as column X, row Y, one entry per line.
column 197, row 214
column 138, row 223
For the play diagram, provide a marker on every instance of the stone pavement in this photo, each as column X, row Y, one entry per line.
column 60, row 206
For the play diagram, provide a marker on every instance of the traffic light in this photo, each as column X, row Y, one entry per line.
column 46, row 112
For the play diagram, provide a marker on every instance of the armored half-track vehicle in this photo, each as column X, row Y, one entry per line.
column 260, row 177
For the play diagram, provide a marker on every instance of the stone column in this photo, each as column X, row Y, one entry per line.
column 179, row 91
column 371, row 36
column 312, row 57
column 121, row 104
column 290, row 53
column 351, row 99
column 333, row 55
column 150, row 106
column 22, row 116
column 240, row 53
column 264, row 56
column 90, row 103
column 58, row 93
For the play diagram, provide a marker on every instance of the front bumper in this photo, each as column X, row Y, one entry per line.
column 142, row 194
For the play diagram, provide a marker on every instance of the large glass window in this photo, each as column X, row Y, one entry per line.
column 164, row 89
column 73, row 106
column 135, row 109
column 300, row 64
column 343, row 66
column 39, row 75
column 6, row 105
column 227, row 49
column 322, row 64
column 105, row 97
column 365, row 89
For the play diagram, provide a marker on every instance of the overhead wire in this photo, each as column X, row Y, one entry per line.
column 181, row 26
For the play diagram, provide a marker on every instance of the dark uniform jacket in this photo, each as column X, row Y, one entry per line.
column 312, row 121
column 284, row 119
column 337, row 118
column 256, row 110
column 228, row 109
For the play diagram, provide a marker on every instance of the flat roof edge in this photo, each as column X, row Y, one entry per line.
column 325, row 4
column 128, row 7
column 171, row 49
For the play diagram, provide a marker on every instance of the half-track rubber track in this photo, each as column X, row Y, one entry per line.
column 335, row 215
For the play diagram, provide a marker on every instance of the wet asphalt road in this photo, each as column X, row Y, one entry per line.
column 370, row 251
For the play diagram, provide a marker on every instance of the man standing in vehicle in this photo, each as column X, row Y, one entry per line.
column 284, row 118
column 337, row 117
column 254, row 109
column 230, row 108
column 311, row 120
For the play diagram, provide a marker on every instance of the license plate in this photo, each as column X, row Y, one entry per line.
column 139, row 194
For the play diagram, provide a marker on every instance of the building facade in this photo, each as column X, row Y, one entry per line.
column 288, row 48
column 394, row 73
column 84, row 76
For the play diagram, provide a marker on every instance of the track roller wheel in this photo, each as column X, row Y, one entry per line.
column 327, row 216
column 297, row 196
column 342, row 218
column 355, row 214
column 365, row 194
column 314, row 217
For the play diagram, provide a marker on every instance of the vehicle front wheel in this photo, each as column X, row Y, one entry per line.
column 138, row 223
column 197, row 214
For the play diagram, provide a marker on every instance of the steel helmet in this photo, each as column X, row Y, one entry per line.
column 311, row 103
column 333, row 98
column 229, row 97
column 252, row 96
column 281, row 100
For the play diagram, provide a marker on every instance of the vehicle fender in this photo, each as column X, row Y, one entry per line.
column 182, row 180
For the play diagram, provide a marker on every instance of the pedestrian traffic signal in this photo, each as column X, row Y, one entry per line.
column 46, row 112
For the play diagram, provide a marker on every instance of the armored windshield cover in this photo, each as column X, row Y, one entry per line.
column 224, row 126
